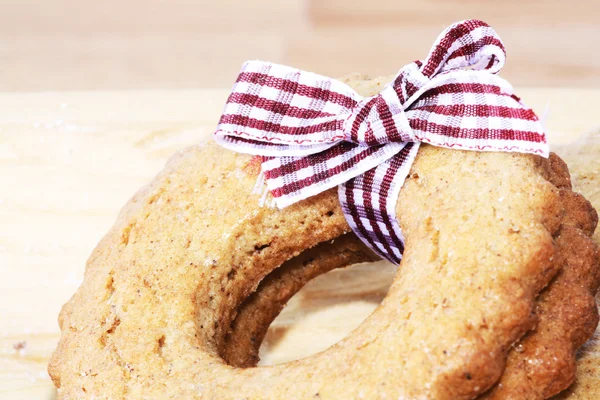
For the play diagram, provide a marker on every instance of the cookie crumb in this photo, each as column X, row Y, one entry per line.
column 20, row 345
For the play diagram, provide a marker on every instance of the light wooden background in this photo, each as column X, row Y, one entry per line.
column 117, row 44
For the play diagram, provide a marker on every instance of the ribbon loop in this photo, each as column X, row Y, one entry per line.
column 315, row 133
column 284, row 111
column 467, row 44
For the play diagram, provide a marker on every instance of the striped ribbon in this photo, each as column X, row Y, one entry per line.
column 314, row 132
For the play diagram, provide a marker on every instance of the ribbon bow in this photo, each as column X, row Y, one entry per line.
column 314, row 132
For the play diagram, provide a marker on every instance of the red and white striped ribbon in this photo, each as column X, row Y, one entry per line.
column 314, row 132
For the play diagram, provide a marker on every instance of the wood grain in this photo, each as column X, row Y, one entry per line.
column 111, row 44
column 69, row 161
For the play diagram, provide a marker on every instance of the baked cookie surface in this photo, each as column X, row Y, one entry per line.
column 163, row 287
column 541, row 364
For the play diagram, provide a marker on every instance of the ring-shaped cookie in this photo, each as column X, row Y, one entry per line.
column 163, row 287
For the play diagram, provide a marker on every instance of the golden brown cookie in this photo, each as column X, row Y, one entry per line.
column 163, row 287
column 543, row 362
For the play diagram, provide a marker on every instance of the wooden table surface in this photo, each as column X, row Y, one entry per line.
column 69, row 161
column 134, row 44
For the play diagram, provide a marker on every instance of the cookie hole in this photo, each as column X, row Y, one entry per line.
column 329, row 213
column 335, row 303
column 325, row 311
column 243, row 335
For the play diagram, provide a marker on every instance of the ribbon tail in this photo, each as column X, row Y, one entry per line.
column 369, row 204
column 276, row 111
